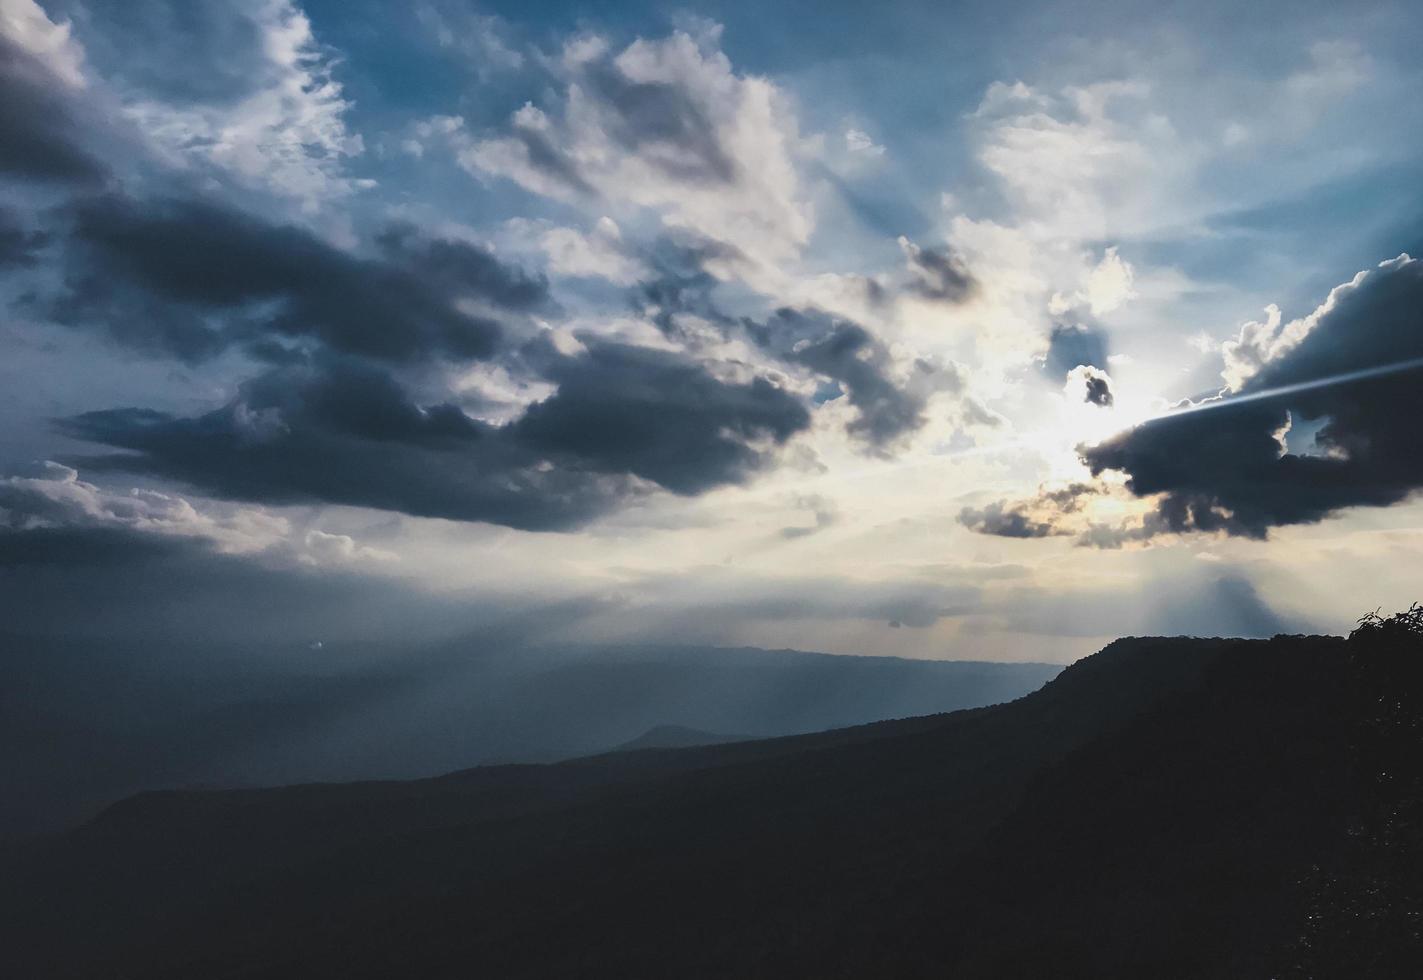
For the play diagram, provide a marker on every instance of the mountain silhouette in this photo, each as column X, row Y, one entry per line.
column 85, row 722
column 1163, row 808
column 676, row 737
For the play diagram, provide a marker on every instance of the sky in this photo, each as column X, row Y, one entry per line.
column 947, row 331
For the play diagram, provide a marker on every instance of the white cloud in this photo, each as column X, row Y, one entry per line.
column 597, row 255
column 1110, row 283
column 338, row 549
column 858, row 141
column 58, row 498
column 287, row 135
column 1260, row 342
column 664, row 125
column 1084, row 163
column 26, row 24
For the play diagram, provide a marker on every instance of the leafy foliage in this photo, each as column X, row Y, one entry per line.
column 1405, row 623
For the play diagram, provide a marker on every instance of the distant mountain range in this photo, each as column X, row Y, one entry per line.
column 86, row 722
column 676, row 737
column 1164, row 808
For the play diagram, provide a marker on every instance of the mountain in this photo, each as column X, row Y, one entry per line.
column 675, row 737
column 1164, row 808
column 84, row 722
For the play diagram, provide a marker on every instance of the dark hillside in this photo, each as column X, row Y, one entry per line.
column 85, row 722
column 1165, row 808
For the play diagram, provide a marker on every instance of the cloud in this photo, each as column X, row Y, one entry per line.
column 343, row 432
column 324, row 548
column 677, row 295
column 25, row 24
column 848, row 354
column 41, row 132
column 821, row 509
column 50, row 508
column 1005, row 520
column 339, row 430
column 19, row 245
column 1081, row 163
column 266, row 108
column 937, row 274
column 1071, row 345
column 1109, row 285
column 1037, row 517
column 1090, row 385
column 857, row 141
column 1355, row 365
column 889, row 399
column 189, row 278
column 482, row 39
column 600, row 254
column 55, row 518
column 659, row 416
column 665, row 125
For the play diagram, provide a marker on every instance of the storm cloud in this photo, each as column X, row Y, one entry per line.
column 39, row 132
column 1354, row 366
column 659, row 416
column 341, row 430
column 190, row 278
column 19, row 244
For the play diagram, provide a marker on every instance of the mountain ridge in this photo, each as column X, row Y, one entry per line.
column 1170, row 769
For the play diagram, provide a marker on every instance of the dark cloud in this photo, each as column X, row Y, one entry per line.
column 1099, row 390
column 1072, row 345
column 340, row 430
column 850, row 355
column 19, row 244
column 1006, row 520
column 39, row 132
column 938, row 273
column 1094, row 386
column 659, row 416
column 1224, row 467
column 83, row 546
column 462, row 268
column 189, row 278
column 1037, row 517
column 346, row 433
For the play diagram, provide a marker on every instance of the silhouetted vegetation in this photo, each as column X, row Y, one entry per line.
column 1164, row 808
column 1402, row 625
